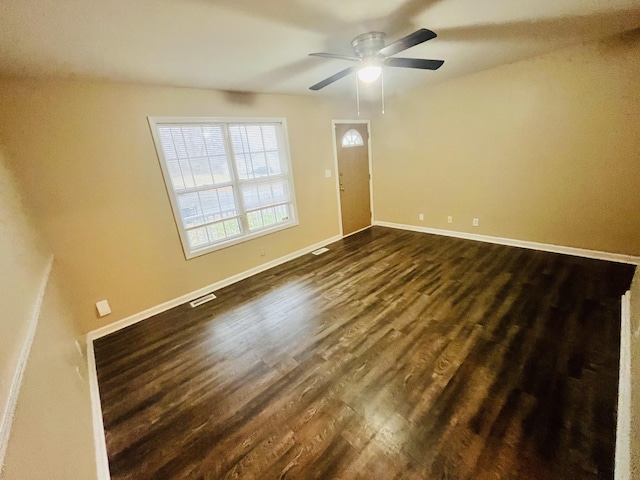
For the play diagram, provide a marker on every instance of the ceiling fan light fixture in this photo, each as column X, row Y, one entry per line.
column 369, row 73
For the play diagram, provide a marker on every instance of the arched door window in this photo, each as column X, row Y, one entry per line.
column 352, row 138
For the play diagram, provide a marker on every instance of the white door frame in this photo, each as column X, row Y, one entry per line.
column 334, row 123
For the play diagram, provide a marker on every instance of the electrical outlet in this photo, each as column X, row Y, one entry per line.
column 421, row 216
column 103, row 308
column 263, row 252
column 327, row 173
column 449, row 219
column 475, row 222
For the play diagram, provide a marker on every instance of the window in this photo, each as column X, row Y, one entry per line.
column 352, row 138
column 228, row 180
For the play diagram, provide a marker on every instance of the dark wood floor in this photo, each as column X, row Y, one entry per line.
column 394, row 355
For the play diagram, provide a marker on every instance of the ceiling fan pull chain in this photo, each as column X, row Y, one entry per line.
column 382, row 86
column 358, row 94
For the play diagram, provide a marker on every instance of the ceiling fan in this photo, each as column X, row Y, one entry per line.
column 371, row 54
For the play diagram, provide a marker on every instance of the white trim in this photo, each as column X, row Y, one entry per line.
column 337, row 173
column 150, row 312
column 623, row 428
column 545, row 247
column 369, row 136
column 335, row 123
column 6, row 421
column 186, row 119
column 99, row 442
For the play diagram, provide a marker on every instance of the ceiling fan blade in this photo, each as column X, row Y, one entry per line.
column 413, row 63
column 333, row 78
column 417, row 37
column 336, row 55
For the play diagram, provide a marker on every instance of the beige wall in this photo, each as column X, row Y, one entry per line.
column 52, row 434
column 544, row 150
column 87, row 163
column 23, row 263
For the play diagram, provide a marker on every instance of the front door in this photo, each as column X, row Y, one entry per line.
column 352, row 147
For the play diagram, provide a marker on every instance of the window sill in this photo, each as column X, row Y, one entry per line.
column 238, row 240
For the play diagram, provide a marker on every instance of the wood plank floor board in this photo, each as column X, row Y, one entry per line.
column 393, row 355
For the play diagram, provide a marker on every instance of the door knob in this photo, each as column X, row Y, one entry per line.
column 341, row 188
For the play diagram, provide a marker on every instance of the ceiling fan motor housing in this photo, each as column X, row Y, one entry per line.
column 368, row 44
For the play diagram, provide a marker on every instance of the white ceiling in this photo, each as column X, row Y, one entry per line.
column 262, row 45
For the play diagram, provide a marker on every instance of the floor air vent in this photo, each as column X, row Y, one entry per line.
column 320, row 251
column 199, row 301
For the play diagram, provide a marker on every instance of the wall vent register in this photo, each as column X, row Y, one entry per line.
column 228, row 180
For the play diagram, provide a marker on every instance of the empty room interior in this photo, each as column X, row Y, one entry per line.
column 339, row 240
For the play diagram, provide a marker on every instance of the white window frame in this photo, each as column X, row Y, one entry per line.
column 283, row 147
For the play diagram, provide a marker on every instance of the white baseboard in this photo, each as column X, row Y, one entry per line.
column 623, row 428
column 99, row 441
column 545, row 247
column 150, row 312
column 10, row 409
